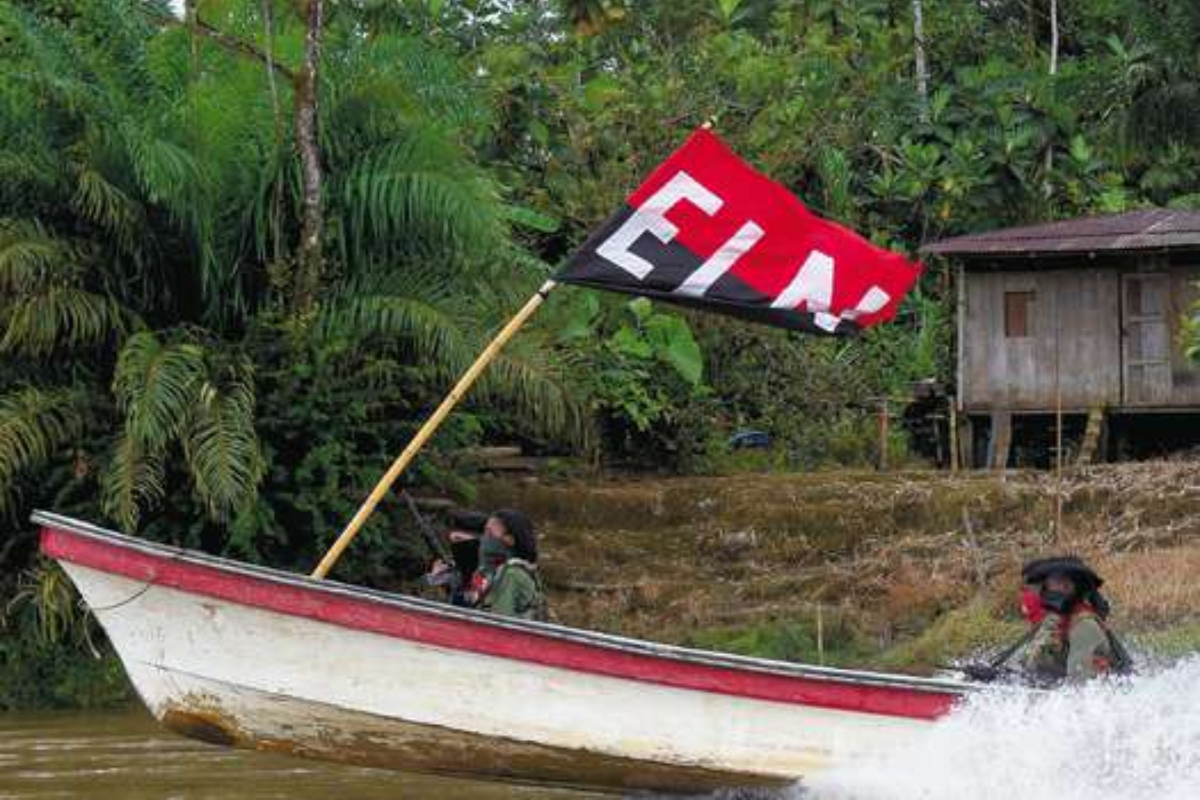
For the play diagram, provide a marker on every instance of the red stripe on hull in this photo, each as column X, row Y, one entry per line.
column 481, row 638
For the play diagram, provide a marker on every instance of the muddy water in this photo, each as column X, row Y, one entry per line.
column 1124, row 740
column 126, row 756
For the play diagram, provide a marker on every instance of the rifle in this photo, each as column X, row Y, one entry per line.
column 433, row 542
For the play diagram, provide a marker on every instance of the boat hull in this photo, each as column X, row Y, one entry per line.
column 255, row 658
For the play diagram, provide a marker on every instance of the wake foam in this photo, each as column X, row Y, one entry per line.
column 1134, row 739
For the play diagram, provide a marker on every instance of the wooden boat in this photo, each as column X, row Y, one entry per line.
column 254, row 657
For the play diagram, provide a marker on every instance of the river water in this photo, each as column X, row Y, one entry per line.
column 1138, row 740
column 127, row 756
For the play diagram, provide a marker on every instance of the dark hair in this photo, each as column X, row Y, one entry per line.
column 518, row 526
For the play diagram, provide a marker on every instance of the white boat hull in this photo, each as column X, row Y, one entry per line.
column 233, row 672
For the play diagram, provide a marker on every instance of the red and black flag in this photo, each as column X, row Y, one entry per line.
column 707, row 230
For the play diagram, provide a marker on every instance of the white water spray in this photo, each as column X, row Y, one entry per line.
column 1132, row 740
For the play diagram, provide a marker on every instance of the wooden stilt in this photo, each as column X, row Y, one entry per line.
column 1000, row 441
column 966, row 442
column 1092, row 436
column 429, row 428
column 953, row 425
column 1104, row 443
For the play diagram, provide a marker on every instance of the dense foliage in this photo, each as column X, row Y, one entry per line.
column 181, row 358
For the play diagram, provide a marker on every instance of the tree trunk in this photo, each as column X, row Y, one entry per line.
column 277, row 126
column 919, row 54
column 1047, row 186
column 189, row 19
column 309, row 256
column 1053, row 37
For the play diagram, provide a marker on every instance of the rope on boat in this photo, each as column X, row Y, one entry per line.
column 90, row 610
column 124, row 602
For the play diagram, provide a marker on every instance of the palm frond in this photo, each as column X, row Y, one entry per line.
column 380, row 85
column 418, row 195
column 60, row 316
column 30, row 166
column 133, row 481
column 237, row 148
column 156, row 386
column 181, row 393
column 47, row 591
column 107, row 205
column 45, row 307
column 29, row 255
column 34, row 424
column 165, row 170
column 222, row 447
column 428, row 331
column 537, row 390
column 417, row 324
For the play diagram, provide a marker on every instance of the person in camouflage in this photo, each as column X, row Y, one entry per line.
column 507, row 581
column 1069, row 640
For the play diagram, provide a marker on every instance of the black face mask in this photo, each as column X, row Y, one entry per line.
column 1058, row 602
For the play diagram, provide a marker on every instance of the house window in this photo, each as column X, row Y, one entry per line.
column 1018, row 312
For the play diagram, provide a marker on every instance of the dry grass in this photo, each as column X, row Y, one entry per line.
column 1154, row 587
column 665, row 558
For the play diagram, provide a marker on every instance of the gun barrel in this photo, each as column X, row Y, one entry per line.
column 432, row 540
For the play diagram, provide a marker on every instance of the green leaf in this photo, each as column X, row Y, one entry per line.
column 531, row 218
column 728, row 8
column 1080, row 151
column 628, row 341
column 1186, row 202
column 938, row 102
column 674, row 344
column 642, row 309
column 539, row 132
column 34, row 424
column 600, row 91
column 582, row 318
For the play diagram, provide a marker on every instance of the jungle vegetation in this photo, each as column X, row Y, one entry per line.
column 246, row 245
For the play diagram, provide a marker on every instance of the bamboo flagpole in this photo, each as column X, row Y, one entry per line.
column 607, row 260
column 429, row 428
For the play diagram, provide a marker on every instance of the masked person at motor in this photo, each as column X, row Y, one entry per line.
column 1069, row 639
column 507, row 581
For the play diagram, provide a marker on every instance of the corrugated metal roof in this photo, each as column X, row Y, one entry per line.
column 1148, row 229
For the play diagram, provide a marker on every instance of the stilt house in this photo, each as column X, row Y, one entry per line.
column 1081, row 315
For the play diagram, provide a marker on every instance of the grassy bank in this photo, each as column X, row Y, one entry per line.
column 900, row 571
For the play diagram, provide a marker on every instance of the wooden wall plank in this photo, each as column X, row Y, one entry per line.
column 1019, row 372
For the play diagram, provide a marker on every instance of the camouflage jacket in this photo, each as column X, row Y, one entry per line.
column 516, row 591
column 1075, row 648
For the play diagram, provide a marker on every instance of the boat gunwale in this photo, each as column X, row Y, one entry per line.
column 548, row 630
